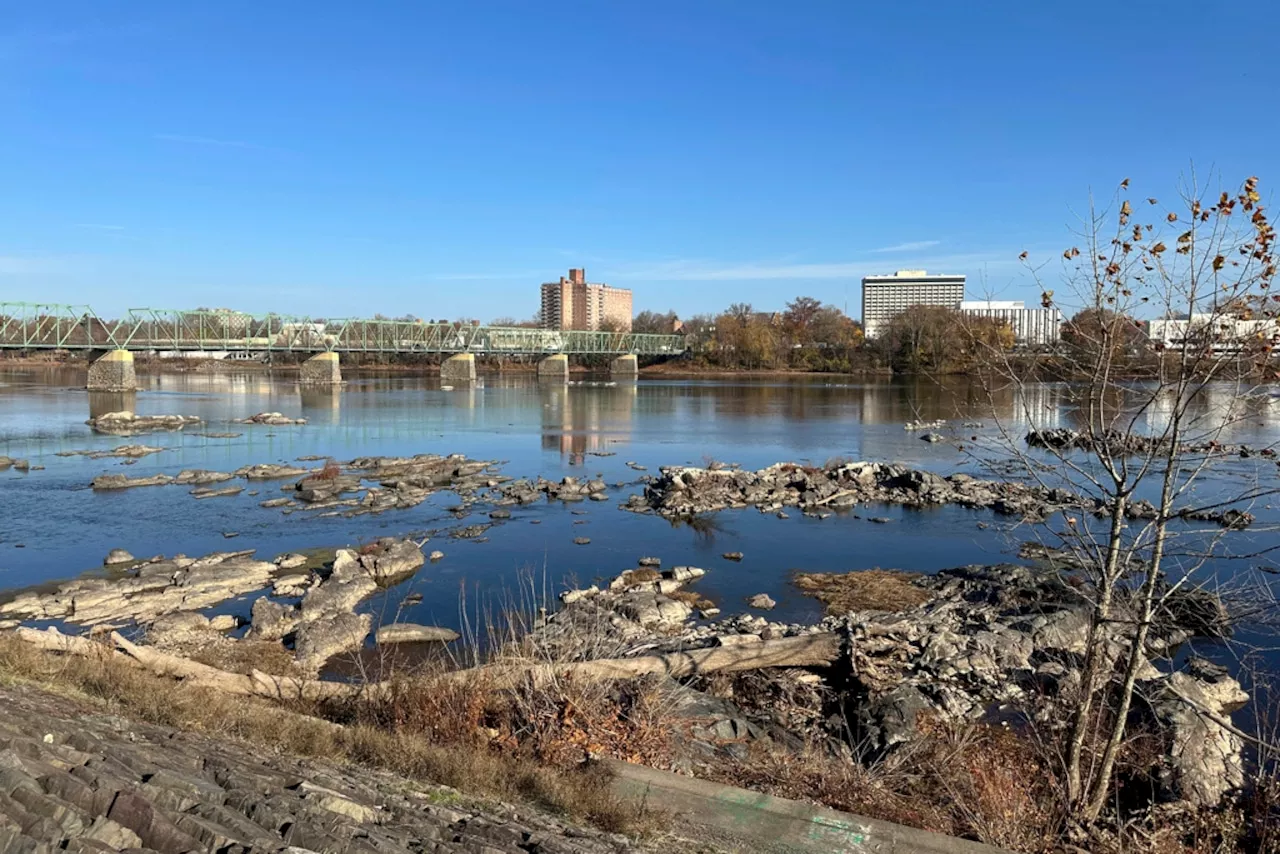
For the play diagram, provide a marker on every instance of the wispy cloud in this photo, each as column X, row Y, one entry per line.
column 98, row 226
column 207, row 141
column 911, row 246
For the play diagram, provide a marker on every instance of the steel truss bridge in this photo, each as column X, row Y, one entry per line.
column 48, row 326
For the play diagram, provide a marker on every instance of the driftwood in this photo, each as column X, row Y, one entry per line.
column 816, row 650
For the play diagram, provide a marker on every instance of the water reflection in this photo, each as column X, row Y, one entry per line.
column 576, row 420
column 321, row 404
column 102, row 402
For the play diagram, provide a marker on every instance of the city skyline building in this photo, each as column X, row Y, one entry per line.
column 886, row 295
column 1032, row 327
column 575, row 303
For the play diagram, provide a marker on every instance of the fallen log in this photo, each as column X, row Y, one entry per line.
column 815, row 650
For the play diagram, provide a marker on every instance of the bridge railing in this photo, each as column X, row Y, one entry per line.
column 34, row 326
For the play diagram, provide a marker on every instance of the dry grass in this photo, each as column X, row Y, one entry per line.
column 640, row 575
column 864, row 590
column 970, row 780
column 440, row 752
column 243, row 656
column 331, row 471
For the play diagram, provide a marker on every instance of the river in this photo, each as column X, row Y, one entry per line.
column 54, row 527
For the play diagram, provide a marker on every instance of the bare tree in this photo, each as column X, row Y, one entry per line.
column 1144, row 522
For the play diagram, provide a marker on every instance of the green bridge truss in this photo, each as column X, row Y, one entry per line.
column 47, row 326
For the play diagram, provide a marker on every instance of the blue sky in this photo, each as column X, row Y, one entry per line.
column 443, row 158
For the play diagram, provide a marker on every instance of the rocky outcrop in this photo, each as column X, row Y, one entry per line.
column 274, row 419
column 120, row 481
column 127, row 451
column 269, row 471
column 77, row 779
column 685, row 492
column 147, row 590
column 1117, row 443
column 125, row 423
column 201, row 477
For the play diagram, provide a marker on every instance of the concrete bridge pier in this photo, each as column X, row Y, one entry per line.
column 321, row 369
column 624, row 368
column 458, row 369
column 113, row 372
column 554, row 368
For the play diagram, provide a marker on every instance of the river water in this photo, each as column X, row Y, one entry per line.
column 54, row 527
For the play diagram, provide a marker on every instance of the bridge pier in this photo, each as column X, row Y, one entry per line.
column 458, row 369
column 321, row 369
column 624, row 368
column 113, row 372
column 554, row 368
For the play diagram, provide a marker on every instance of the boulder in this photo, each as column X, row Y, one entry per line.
column 762, row 601
column 413, row 633
column 319, row 640
column 115, row 557
column 120, row 481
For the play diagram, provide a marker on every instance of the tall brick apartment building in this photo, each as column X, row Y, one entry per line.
column 575, row 303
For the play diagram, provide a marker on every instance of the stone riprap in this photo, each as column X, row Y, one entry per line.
column 76, row 779
column 113, row 372
column 322, row 369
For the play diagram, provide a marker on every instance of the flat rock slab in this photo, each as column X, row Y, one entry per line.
column 93, row 782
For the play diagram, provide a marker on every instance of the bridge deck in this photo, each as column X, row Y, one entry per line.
column 36, row 326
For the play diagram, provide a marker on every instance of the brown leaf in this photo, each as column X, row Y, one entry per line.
column 1152, row 202
column 1172, row 217
column 1218, row 262
column 1022, row 257
column 1125, row 183
column 1158, row 248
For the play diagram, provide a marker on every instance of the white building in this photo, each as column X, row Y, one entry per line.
column 885, row 296
column 1224, row 333
column 1032, row 327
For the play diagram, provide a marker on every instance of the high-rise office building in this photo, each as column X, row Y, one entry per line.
column 575, row 303
column 885, row 296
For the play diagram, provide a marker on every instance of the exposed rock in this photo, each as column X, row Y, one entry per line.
column 199, row 477
column 128, row 451
column 933, row 438
column 1204, row 759
column 413, row 633
column 275, row 419
column 147, row 591
column 115, row 557
column 206, row 492
column 87, row 780
column 120, row 481
column 320, row 640
column 581, row 541
column 762, row 601
column 649, row 561
column 269, row 471
column 291, row 561
column 732, row 555
column 435, row 556
column 125, row 423
column 686, row 492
